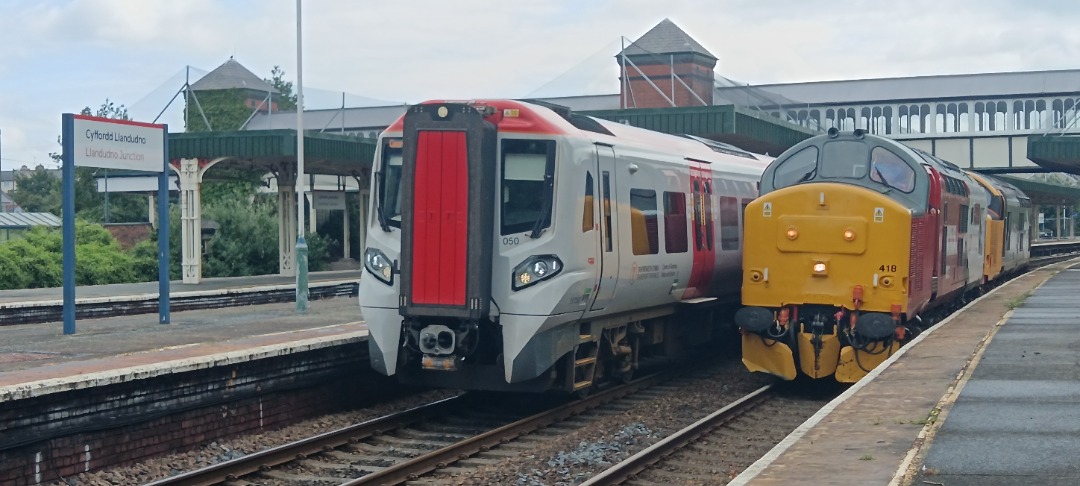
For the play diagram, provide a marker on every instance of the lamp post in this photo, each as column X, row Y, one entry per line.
column 301, row 245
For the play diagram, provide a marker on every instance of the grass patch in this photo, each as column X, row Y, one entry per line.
column 1018, row 301
column 866, row 457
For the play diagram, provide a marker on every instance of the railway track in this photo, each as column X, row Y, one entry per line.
column 718, row 447
column 404, row 446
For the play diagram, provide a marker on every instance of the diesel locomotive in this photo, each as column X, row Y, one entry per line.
column 853, row 238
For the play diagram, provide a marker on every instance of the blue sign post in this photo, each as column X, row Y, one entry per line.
column 113, row 144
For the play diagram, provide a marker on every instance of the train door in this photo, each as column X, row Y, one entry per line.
column 701, row 190
column 609, row 227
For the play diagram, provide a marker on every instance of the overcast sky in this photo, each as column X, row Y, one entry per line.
column 58, row 56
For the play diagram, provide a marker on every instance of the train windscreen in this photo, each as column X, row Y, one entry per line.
column 528, row 173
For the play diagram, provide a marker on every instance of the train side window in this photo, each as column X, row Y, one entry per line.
column 963, row 218
column 706, row 199
column 742, row 214
column 699, row 223
column 729, row 223
column 605, row 181
column 644, row 230
column 844, row 159
column 675, row 222
column 1008, row 230
column 388, row 181
column 588, row 215
column 799, row 167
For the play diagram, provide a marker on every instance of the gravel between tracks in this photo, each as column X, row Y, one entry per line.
column 225, row 450
column 574, row 457
column 569, row 457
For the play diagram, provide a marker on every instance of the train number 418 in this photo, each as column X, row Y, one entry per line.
column 887, row 268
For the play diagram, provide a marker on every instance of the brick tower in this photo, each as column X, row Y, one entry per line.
column 680, row 70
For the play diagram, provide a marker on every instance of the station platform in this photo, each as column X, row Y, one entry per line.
column 985, row 397
column 83, row 293
column 22, row 306
column 38, row 359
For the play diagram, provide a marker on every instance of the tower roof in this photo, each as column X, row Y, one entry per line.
column 666, row 38
column 231, row 75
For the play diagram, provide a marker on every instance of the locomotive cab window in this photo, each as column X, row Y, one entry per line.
column 844, row 159
column 890, row 170
column 389, row 184
column 528, row 173
column 800, row 167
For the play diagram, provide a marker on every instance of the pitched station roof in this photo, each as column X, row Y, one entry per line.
column 231, row 75
column 667, row 38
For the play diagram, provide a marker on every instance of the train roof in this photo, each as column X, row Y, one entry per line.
column 539, row 117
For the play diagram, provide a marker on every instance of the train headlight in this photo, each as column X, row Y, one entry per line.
column 820, row 268
column 376, row 262
column 792, row 233
column 535, row 269
column 849, row 234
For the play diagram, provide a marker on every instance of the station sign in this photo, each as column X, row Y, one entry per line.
column 328, row 200
column 118, row 144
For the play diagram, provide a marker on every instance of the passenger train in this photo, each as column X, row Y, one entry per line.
column 519, row 246
column 853, row 238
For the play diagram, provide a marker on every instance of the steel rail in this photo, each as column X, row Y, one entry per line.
column 252, row 463
column 413, row 468
column 627, row 469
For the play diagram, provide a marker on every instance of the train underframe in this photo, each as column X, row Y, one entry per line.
column 574, row 357
column 819, row 341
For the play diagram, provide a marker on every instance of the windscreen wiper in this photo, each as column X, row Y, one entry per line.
column 807, row 176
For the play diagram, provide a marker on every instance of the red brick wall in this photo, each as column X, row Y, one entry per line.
column 642, row 95
column 130, row 234
column 67, row 456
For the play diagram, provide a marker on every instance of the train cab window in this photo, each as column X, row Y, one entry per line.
column 644, row 229
column 588, row 215
column 388, row 180
column 528, row 173
column 799, row 167
column 675, row 222
column 844, row 159
column 890, row 170
column 729, row 223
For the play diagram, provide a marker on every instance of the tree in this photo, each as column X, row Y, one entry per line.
column 108, row 109
column 37, row 192
column 287, row 100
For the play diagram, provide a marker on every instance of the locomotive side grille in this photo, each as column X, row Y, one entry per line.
column 918, row 230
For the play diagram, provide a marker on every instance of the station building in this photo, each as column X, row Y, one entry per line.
column 999, row 123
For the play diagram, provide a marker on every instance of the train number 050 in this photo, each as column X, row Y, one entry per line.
column 887, row 268
column 510, row 241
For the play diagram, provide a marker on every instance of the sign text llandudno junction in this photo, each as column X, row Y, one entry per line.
column 118, row 144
